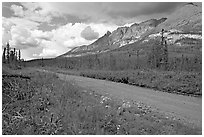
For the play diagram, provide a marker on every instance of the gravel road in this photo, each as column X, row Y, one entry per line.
column 183, row 107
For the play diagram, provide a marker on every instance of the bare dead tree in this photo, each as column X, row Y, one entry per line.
column 11, row 56
column 19, row 55
column 4, row 55
column 16, row 55
column 165, row 51
column 8, row 52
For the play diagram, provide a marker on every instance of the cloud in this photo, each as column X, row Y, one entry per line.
column 133, row 9
column 31, row 53
column 18, row 10
column 102, row 28
column 70, row 36
column 24, row 23
column 89, row 11
column 32, row 12
column 21, row 38
column 118, row 13
column 6, row 36
column 39, row 34
column 110, row 12
column 32, row 6
column 79, row 41
column 18, row 32
column 6, row 27
column 48, row 53
column 89, row 34
column 50, row 49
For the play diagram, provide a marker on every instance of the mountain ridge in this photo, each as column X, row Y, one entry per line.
column 187, row 19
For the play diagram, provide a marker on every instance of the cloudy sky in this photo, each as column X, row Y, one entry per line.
column 51, row 29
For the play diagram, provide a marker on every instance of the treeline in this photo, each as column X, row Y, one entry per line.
column 11, row 55
column 123, row 61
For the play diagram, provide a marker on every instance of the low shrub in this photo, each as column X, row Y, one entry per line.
column 188, row 83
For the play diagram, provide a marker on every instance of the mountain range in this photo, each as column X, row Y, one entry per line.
column 184, row 23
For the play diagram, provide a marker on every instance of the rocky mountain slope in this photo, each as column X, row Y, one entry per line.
column 187, row 18
column 184, row 23
column 181, row 25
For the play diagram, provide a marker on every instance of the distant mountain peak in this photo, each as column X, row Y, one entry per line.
column 163, row 18
column 108, row 33
column 122, row 28
column 191, row 3
column 135, row 24
column 153, row 22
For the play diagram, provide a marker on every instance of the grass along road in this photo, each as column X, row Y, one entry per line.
column 184, row 108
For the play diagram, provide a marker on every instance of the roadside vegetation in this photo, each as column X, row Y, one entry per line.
column 186, row 83
column 183, row 82
column 38, row 103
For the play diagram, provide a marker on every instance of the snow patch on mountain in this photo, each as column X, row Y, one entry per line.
column 173, row 35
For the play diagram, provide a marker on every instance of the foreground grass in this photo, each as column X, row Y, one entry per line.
column 40, row 103
column 186, row 83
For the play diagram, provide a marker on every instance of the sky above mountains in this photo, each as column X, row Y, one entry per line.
column 51, row 29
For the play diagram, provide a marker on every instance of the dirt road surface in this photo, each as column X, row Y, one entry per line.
column 183, row 107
